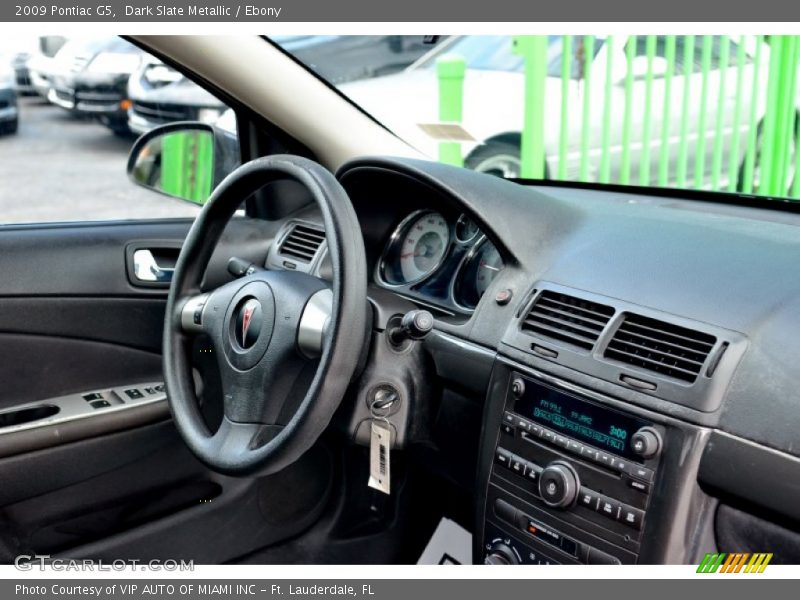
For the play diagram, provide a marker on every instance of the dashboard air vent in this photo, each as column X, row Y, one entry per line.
column 660, row 347
column 567, row 319
column 302, row 243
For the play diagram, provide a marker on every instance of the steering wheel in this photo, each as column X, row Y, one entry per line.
column 267, row 329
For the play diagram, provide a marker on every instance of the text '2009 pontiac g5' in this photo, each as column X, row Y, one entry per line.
column 405, row 313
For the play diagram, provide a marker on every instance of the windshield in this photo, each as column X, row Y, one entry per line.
column 693, row 112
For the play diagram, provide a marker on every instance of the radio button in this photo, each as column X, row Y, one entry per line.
column 604, row 458
column 574, row 447
column 518, row 465
column 619, row 464
column 507, row 429
column 639, row 472
column 631, row 517
column 549, row 436
column 523, row 424
column 535, row 430
column 533, row 472
column 562, row 441
column 589, row 453
column 502, row 457
column 639, row 486
column 588, row 498
column 609, row 507
column 509, row 417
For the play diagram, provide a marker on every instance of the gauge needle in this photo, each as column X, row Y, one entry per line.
column 488, row 266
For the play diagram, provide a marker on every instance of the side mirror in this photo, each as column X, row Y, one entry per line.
column 184, row 160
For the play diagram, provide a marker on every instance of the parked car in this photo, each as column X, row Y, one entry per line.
column 159, row 94
column 9, row 113
column 41, row 63
column 494, row 95
column 91, row 78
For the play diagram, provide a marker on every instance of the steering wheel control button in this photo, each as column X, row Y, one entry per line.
column 503, row 297
column 559, row 485
column 646, row 442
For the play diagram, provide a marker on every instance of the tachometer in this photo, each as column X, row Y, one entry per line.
column 476, row 274
column 417, row 249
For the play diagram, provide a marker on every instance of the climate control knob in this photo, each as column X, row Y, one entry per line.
column 559, row 485
column 501, row 554
column 646, row 442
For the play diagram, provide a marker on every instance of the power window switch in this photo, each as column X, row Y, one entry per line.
column 134, row 394
column 100, row 404
column 93, row 396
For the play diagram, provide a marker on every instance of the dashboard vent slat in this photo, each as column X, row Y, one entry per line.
column 660, row 347
column 302, row 243
column 567, row 319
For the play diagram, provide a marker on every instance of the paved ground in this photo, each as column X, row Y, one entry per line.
column 60, row 168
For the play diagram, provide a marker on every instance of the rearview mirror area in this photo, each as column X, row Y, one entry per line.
column 178, row 160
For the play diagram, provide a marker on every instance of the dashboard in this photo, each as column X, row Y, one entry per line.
column 632, row 355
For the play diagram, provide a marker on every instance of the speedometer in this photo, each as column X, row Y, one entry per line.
column 418, row 248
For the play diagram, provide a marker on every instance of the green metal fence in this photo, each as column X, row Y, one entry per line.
column 703, row 112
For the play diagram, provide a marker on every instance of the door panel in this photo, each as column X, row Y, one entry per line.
column 123, row 484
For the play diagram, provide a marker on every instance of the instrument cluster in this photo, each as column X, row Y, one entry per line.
column 445, row 261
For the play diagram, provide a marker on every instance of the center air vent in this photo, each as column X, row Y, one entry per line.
column 661, row 347
column 567, row 319
column 302, row 243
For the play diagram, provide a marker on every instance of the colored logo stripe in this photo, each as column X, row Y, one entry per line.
column 735, row 562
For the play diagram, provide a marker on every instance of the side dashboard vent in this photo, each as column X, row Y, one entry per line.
column 567, row 319
column 302, row 243
column 661, row 347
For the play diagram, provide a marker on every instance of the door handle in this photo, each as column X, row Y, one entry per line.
column 145, row 267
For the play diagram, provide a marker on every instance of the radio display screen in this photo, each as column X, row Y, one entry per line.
column 587, row 422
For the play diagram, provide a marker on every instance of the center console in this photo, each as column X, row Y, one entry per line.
column 571, row 478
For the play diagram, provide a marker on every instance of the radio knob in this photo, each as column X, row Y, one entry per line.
column 559, row 485
column 646, row 442
column 501, row 554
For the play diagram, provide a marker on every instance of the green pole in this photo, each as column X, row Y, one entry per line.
column 605, row 158
column 752, row 130
column 450, row 70
column 786, row 115
column 566, row 78
column 533, row 49
column 700, row 158
column 644, row 161
column 716, row 161
column 771, row 117
column 683, row 144
column 625, row 168
column 733, row 158
column 173, row 164
column 663, row 159
column 588, row 55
